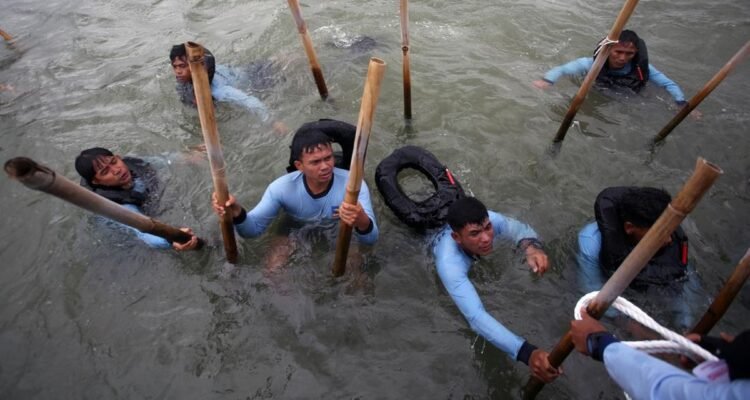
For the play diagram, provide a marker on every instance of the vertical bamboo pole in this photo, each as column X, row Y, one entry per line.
column 6, row 36
column 724, row 298
column 41, row 178
column 205, row 106
column 707, row 89
column 703, row 177
column 405, row 49
column 309, row 49
column 375, row 72
column 601, row 58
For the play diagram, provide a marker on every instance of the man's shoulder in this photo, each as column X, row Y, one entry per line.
column 284, row 182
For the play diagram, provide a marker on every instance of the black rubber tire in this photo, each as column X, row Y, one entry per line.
column 426, row 214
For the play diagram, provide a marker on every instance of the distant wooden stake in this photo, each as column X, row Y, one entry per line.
column 357, row 169
column 601, row 58
column 38, row 177
column 707, row 89
column 307, row 43
column 405, row 49
column 6, row 36
column 725, row 296
column 703, row 177
column 205, row 105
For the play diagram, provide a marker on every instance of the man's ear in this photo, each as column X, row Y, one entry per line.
column 298, row 165
column 628, row 227
column 456, row 236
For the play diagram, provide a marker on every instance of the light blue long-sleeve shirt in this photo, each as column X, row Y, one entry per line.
column 645, row 377
column 289, row 192
column 222, row 90
column 152, row 241
column 582, row 66
column 453, row 266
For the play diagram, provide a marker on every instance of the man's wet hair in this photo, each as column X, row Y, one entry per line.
column 179, row 51
column 307, row 141
column 465, row 211
column 628, row 36
column 643, row 206
column 85, row 162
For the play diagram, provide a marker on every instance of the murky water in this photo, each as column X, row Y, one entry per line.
column 88, row 313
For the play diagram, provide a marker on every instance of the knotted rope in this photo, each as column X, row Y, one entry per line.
column 676, row 343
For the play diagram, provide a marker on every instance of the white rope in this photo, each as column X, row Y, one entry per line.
column 676, row 343
column 602, row 43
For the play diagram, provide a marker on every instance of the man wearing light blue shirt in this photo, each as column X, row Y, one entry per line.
column 626, row 67
column 469, row 235
column 220, row 77
column 314, row 193
column 645, row 377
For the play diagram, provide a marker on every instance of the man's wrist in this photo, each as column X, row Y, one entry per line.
column 526, row 243
column 597, row 342
column 240, row 218
column 524, row 353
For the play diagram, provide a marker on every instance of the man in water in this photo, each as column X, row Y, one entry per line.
column 469, row 235
column 130, row 182
column 220, row 77
column 623, row 216
column 314, row 193
column 627, row 67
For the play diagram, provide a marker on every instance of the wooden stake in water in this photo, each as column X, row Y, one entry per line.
column 357, row 169
column 309, row 50
column 405, row 49
column 205, row 105
column 725, row 297
column 707, row 89
column 39, row 177
column 601, row 58
column 703, row 177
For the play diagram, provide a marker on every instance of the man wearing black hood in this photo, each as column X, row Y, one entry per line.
column 130, row 182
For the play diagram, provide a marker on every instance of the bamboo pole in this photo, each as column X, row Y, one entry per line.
column 724, row 298
column 707, row 89
column 370, row 95
column 205, row 106
column 39, row 177
column 405, row 49
column 6, row 36
column 309, row 49
column 601, row 58
column 703, row 177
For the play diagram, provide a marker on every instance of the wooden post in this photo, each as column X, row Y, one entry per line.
column 725, row 296
column 601, row 58
column 703, row 177
column 6, row 36
column 205, row 105
column 707, row 89
column 405, row 49
column 375, row 72
column 41, row 178
column 309, row 50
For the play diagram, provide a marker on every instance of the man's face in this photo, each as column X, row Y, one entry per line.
column 476, row 239
column 621, row 54
column 181, row 69
column 317, row 165
column 111, row 171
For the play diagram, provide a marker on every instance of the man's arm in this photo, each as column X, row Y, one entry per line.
column 661, row 80
column 234, row 95
column 580, row 66
column 152, row 241
column 524, row 237
column 253, row 223
column 370, row 234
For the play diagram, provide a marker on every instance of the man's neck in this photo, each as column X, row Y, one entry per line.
column 316, row 188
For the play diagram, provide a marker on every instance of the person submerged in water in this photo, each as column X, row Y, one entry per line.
column 312, row 192
column 469, row 235
column 130, row 182
column 627, row 67
column 220, row 77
